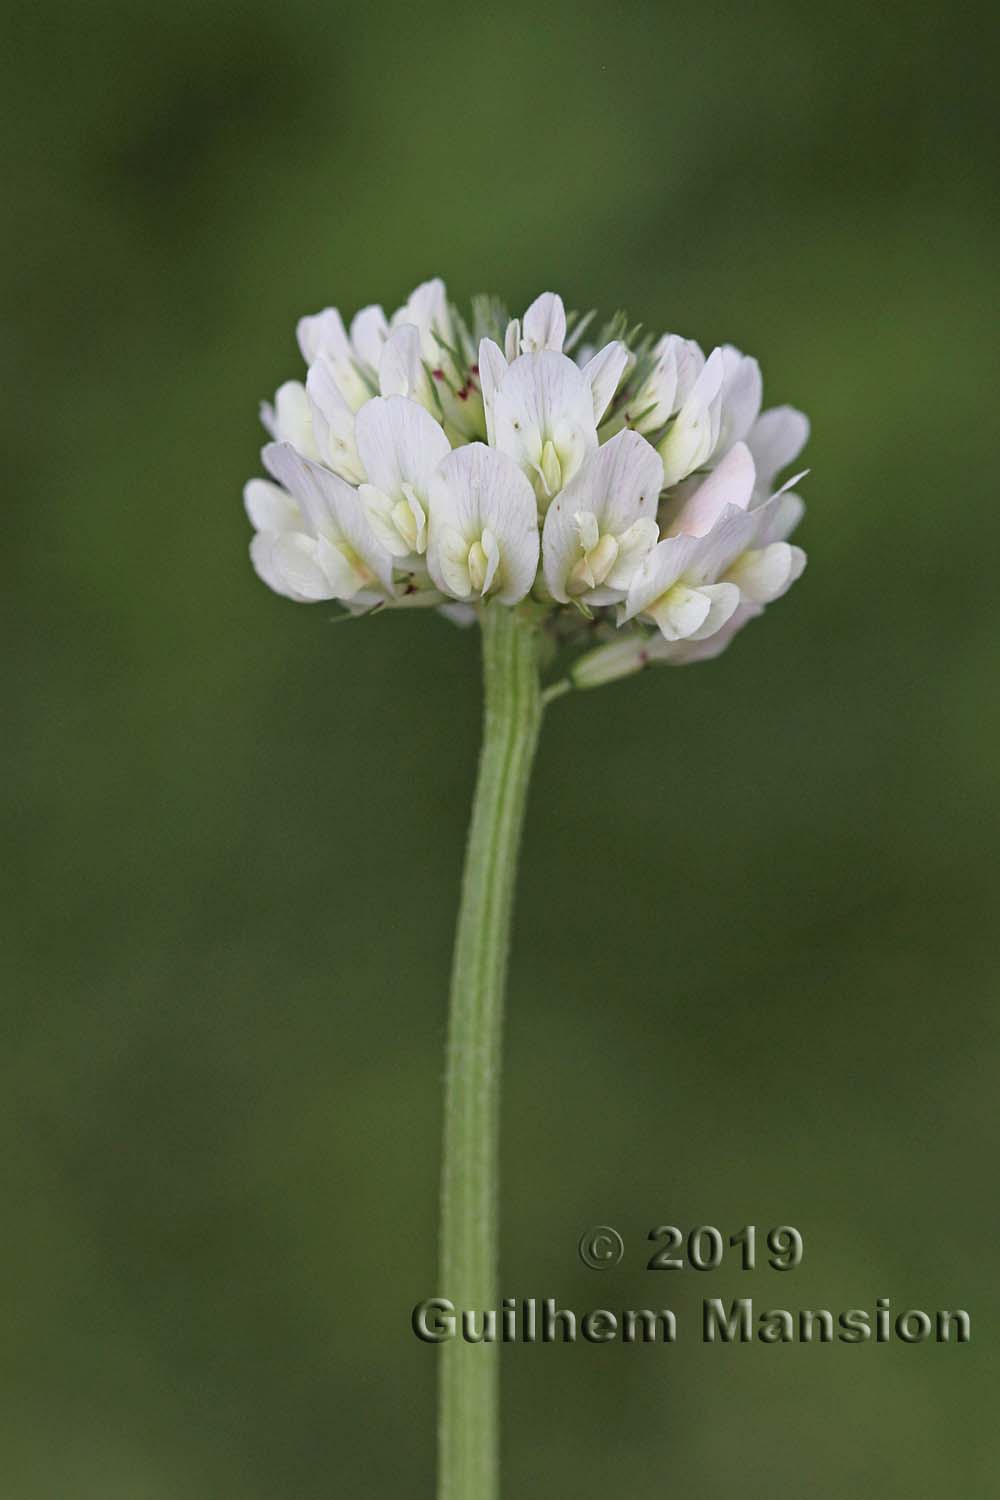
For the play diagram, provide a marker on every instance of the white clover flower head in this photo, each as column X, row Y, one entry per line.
column 620, row 492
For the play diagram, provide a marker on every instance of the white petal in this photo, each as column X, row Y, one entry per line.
column 603, row 374
column 617, row 484
column 764, row 574
column 492, row 369
column 332, row 508
column 692, row 561
column 692, row 438
column 742, row 390
column 378, row 509
column 588, row 529
column 401, row 370
column 473, row 490
column 270, row 508
column 323, row 336
column 680, row 611
column 677, row 363
column 261, row 556
column 296, row 562
column 512, row 340
column 544, row 398
column 561, row 547
column 324, row 333
column 426, row 309
column 724, row 600
column 708, row 385
column 369, row 331
column 634, row 545
column 291, row 420
column 656, row 399
column 776, row 439
column 732, row 483
column 686, row 612
column 690, row 363
column 544, row 324
column 333, row 424
column 660, row 571
column 491, row 548
column 399, row 443
column 448, row 557
column 299, row 477
column 506, row 507
column 778, row 517
column 715, row 552
column 346, row 574
column 681, row 653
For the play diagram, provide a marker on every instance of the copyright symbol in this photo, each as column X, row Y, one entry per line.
column 601, row 1248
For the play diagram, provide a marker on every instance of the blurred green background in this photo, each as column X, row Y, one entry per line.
column 754, row 971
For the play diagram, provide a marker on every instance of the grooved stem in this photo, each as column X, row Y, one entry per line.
column 468, row 1446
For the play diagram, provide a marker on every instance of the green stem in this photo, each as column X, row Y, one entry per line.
column 468, row 1451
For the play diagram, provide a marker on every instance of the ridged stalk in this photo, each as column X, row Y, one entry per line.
column 468, row 1452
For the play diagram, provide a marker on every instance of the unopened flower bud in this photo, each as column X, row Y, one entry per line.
column 619, row 658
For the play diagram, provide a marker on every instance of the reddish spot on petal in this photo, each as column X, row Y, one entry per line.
column 438, row 374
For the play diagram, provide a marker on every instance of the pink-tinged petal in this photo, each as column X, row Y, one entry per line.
column 731, row 484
